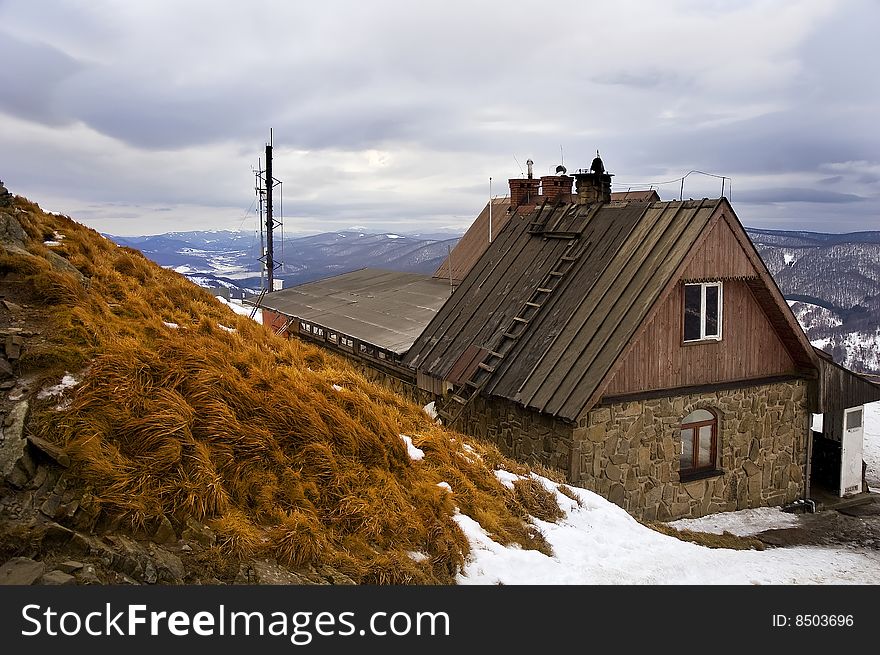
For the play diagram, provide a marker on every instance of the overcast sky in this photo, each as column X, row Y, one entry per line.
column 147, row 117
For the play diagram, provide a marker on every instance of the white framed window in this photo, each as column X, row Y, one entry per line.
column 305, row 327
column 319, row 332
column 333, row 337
column 703, row 303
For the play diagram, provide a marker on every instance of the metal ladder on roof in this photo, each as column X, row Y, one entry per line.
column 258, row 303
column 463, row 395
column 281, row 330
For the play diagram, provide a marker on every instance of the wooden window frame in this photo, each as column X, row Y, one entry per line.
column 703, row 338
column 698, row 471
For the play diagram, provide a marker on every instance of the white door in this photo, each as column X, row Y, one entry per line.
column 851, row 451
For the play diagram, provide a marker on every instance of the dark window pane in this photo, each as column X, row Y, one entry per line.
column 854, row 419
column 691, row 312
column 711, row 311
column 687, row 449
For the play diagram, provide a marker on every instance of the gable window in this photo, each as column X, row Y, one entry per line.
column 699, row 431
column 702, row 311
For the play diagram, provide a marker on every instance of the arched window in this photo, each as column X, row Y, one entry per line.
column 699, row 431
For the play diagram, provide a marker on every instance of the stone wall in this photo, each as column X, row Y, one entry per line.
column 629, row 452
column 519, row 433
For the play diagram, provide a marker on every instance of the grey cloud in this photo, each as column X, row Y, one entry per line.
column 30, row 76
column 756, row 196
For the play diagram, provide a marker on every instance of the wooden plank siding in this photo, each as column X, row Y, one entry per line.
column 749, row 348
column 720, row 249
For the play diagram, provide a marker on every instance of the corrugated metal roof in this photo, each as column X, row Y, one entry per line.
column 473, row 244
column 628, row 252
column 388, row 309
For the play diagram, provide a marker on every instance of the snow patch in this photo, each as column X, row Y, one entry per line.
column 445, row 485
column 507, row 478
column 417, row 556
column 51, row 243
column 431, row 410
column 67, row 382
column 414, row 453
column 242, row 310
column 225, row 328
column 336, row 387
column 173, row 326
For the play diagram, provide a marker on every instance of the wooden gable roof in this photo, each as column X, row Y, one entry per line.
column 627, row 256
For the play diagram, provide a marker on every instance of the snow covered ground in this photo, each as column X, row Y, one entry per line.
column 239, row 308
column 599, row 543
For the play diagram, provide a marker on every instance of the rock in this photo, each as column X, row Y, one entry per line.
column 335, row 577
column 70, row 566
column 63, row 266
column 11, row 232
column 57, row 578
column 18, row 477
column 268, row 572
column 50, row 450
column 169, row 567
column 612, row 472
column 87, row 575
column 750, row 468
column 21, row 571
column 11, row 306
column 6, row 371
column 12, row 443
column 595, row 433
column 13, row 346
column 198, row 532
column 150, row 573
column 164, row 533
column 51, row 506
column 57, row 535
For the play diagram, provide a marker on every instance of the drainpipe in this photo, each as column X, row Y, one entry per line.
column 809, row 504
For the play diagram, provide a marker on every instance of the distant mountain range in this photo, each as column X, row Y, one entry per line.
column 832, row 281
column 226, row 259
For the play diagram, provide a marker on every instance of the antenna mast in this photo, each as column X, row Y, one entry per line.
column 260, row 198
column 265, row 186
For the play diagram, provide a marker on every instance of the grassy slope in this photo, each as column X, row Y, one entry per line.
column 243, row 429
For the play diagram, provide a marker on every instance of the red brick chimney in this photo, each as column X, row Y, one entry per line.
column 524, row 191
column 556, row 188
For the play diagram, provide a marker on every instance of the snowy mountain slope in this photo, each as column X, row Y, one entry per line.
column 835, row 279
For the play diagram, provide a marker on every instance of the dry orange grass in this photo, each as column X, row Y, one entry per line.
column 244, row 430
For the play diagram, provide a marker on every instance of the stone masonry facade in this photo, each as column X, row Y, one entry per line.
column 519, row 433
column 629, row 452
